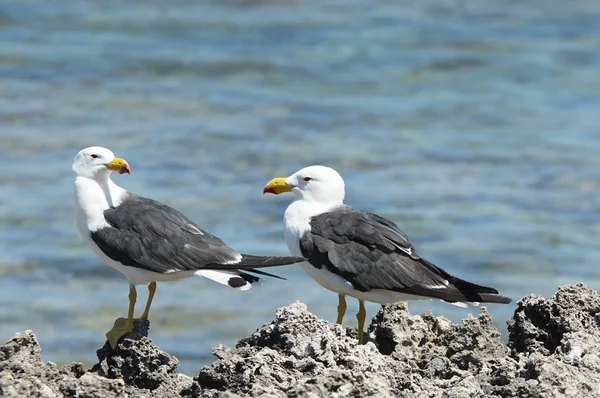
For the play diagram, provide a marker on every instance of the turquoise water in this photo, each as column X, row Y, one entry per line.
column 474, row 126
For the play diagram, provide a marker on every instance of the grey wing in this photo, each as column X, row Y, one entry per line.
column 390, row 231
column 150, row 235
column 369, row 251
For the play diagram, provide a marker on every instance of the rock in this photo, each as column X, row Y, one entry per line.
column 136, row 368
column 137, row 360
column 557, row 342
column 23, row 374
column 408, row 355
column 300, row 355
column 553, row 351
column 92, row 386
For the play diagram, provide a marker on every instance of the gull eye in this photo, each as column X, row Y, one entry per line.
column 94, row 156
column 307, row 178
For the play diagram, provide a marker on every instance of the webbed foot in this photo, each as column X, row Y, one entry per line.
column 120, row 329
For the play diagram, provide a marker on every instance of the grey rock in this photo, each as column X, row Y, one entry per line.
column 23, row 374
column 557, row 342
column 553, row 351
column 301, row 355
column 409, row 355
column 137, row 368
column 137, row 360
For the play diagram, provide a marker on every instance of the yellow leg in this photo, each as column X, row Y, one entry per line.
column 132, row 299
column 121, row 328
column 151, row 290
column 341, row 308
column 361, row 316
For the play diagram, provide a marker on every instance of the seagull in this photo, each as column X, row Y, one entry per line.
column 361, row 254
column 148, row 241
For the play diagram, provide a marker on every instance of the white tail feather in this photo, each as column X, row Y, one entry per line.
column 223, row 277
column 464, row 305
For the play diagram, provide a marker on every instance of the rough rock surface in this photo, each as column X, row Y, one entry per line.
column 553, row 351
column 137, row 368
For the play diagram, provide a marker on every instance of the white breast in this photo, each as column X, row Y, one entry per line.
column 92, row 198
column 296, row 221
column 90, row 204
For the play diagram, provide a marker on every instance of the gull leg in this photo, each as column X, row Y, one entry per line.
column 122, row 326
column 341, row 309
column 151, row 290
column 361, row 316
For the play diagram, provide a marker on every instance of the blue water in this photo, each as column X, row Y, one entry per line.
column 473, row 125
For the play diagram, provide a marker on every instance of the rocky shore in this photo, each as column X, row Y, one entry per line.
column 553, row 351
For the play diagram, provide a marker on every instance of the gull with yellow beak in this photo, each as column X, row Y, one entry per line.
column 148, row 241
column 361, row 254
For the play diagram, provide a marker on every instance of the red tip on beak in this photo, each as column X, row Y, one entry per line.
column 268, row 189
column 124, row 169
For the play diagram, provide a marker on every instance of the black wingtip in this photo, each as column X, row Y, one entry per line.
column 470, row 287
column 498, row 299
column 251, row 261
column 263, row 273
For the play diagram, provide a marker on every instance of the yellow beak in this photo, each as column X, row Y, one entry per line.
column 119, row 165
column 277, row 186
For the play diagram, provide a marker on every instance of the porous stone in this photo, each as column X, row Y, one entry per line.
column 552, row 351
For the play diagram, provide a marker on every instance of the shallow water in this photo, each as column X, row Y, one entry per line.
column 475, row 127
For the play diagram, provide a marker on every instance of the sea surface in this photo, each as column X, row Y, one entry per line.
column 473, row 125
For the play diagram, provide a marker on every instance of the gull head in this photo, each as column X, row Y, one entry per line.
column 314, row 183
column 97, row 163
